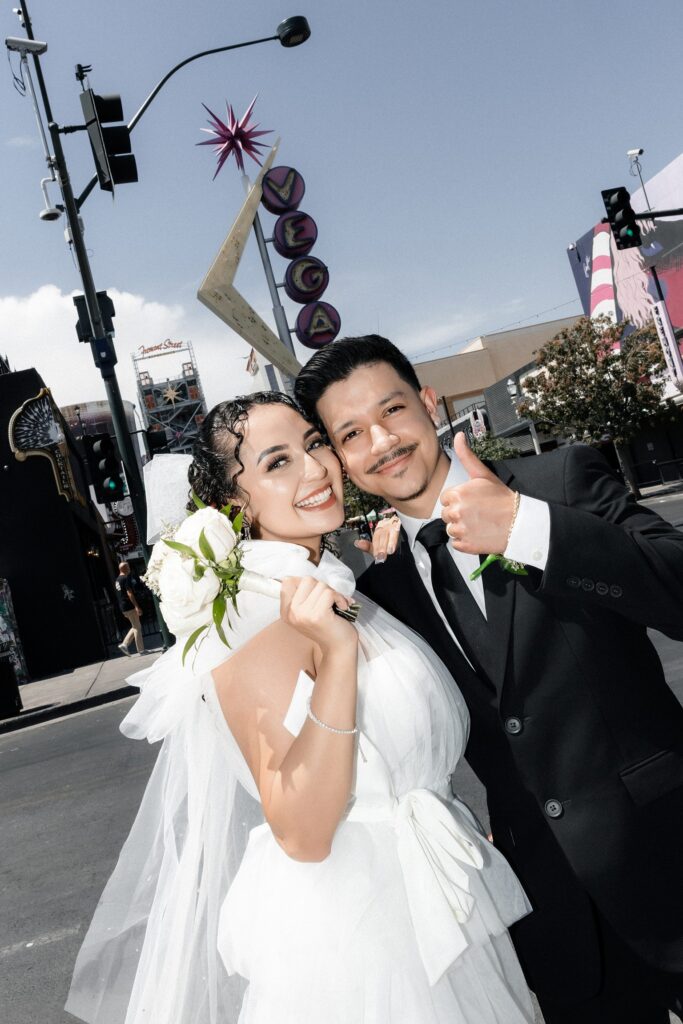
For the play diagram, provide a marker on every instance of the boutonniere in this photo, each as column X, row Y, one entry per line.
column 508, row 564
column 517, row 568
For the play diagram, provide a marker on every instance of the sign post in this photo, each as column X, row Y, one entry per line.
column 667, row 339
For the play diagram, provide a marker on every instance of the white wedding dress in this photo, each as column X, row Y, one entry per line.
column 404, row 923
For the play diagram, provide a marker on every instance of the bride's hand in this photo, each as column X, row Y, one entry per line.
column 306, row 605
column 384, row 539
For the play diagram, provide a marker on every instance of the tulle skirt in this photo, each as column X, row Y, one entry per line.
column 334, row 943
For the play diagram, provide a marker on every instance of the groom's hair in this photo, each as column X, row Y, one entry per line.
column 338, row 360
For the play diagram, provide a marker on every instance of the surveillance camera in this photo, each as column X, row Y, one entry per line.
column 635, row 152
column 50, row 213
column 571, row 246
column 24, row 46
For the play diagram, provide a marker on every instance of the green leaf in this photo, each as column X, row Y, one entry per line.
column 184, row 549
column 218, row 616
column 191, row 639
column 205, row 547
column 227, row 509
column 238, row 520
column 197, row 500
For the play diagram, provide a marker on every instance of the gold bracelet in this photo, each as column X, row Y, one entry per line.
column 518, row 498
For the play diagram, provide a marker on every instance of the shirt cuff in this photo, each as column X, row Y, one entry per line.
column 530, row 538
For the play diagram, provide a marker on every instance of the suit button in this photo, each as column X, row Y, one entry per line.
column 601, row 588
column 587, row 585
column 554, row 809
column 615, row 590
column 514, row 726
column 573, row 581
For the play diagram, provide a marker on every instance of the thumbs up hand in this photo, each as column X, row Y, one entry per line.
column 478, row 513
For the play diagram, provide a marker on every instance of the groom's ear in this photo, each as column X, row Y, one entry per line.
column 429, row 399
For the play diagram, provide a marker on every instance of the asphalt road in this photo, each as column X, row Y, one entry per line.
column 69, row 792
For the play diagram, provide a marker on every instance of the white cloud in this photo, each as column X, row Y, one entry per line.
column 38, row 330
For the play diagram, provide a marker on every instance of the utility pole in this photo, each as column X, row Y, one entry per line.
column 290, row 33
column 101, row 344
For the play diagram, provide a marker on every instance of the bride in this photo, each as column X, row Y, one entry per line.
column 298, row 857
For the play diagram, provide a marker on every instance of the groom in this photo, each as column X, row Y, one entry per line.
column 575, row 734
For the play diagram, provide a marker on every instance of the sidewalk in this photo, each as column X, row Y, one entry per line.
column 84, row 687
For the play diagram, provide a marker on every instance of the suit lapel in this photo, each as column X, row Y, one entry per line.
column 396, row 585
column 499, row 590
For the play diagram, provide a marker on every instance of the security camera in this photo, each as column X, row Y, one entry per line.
column 24, row 46
column 635, row 152
column 50, row 212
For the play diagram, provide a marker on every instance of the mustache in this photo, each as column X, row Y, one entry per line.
column 396, row 454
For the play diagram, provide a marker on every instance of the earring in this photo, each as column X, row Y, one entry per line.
column 245, row 532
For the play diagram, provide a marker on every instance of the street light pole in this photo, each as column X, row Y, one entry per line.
column 290, row 33
column 513, row 390
column 101, row 345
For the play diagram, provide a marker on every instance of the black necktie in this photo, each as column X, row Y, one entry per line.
column 456, row 599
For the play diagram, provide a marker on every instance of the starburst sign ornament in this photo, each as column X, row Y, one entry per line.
column 237, row 136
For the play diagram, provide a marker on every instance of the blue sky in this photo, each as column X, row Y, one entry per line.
column 451, row 151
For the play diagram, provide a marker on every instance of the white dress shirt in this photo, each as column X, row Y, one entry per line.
column 529, row 541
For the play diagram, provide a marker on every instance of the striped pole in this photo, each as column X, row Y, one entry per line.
column 602, row 297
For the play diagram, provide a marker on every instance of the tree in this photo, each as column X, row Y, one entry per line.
column 357, row 502
column 596, row 385
column 493, row 448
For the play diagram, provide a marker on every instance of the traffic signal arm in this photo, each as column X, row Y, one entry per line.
column 654, row 214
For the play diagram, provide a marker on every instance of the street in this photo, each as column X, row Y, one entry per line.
column 70, row 790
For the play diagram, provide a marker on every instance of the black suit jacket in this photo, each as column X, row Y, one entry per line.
column 576, row 735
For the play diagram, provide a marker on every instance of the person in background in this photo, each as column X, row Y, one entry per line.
column 130, row 609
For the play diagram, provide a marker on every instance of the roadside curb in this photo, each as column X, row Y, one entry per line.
column 53, row 711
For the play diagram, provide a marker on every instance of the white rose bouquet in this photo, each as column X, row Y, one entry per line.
column 196, row 572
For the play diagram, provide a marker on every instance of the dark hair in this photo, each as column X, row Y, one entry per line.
column 337, row 361
column 216, row 452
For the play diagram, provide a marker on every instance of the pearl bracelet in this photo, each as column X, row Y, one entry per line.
column 340, row 732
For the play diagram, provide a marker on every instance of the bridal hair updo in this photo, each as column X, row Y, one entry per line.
column 216, row 464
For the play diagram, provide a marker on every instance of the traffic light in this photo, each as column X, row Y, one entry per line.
column 106, row 474
column 114, row 162
column 621, row 217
